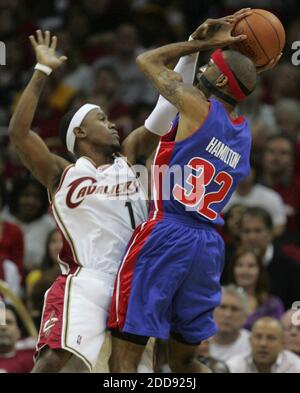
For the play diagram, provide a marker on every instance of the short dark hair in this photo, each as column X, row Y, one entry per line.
column 18, row 187
column 260, row 213
column 281, row 136
column 108, row 68
column 64, row 125
column 243, row 68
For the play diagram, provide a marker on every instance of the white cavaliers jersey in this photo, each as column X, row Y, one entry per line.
column 97, row 210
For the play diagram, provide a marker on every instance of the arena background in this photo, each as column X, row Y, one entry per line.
column 102, row 39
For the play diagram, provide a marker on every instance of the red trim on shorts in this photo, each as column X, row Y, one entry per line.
column 121, row 295
column 52, row 319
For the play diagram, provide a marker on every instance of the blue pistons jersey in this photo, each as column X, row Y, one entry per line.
column 196, row 177
column 169, row 279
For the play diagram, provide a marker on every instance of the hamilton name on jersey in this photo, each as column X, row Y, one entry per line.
column 223, row 152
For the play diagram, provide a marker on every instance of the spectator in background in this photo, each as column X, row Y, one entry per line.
column 291, row 331
column 249, row 193
column 10, row 274
column 106, row 90
column 50, row 263
column 231, row 234
column 39, row 281
column 13, row 360
column 133, row 87
column 287, row 116
column 288, row 119
column 282, row 81
column 11, row 238
column 104, row 15
column 278, row 174
column 47, row 119
column 156, row 26
column 247, row 271
column 230, row 317
column 284, row 272
column 267, row 351
column 28, row 207
column 257, row 112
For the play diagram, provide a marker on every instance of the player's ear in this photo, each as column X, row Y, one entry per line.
column 221, row 81
column 80, row 132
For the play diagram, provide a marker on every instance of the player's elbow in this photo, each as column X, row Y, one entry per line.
column 12, row 131
column 141, row 61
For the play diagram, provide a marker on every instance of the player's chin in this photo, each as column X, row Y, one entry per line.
column 116, row 146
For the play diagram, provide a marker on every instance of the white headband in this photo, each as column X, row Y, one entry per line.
column 76, row 121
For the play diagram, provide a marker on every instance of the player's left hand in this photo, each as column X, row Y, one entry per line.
column 44, row 46
column 217, row 32
column 207, row 29
column 272, row 63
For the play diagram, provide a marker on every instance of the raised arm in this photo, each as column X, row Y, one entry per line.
column 34, row 153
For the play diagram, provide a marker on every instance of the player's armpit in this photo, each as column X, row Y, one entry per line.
column 139, row 145
column 35, row 155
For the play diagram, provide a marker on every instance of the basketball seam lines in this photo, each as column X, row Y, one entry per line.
column 257, row 40
column 271, row 26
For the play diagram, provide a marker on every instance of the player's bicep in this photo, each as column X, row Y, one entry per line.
column 38, row 159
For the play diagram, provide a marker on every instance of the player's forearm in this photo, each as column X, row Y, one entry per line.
column 154, row 65
column 159, row 121
column 168, row 53
column 23, row 115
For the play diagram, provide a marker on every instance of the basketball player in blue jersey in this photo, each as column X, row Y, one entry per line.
column 91, row 260
column 168, row 284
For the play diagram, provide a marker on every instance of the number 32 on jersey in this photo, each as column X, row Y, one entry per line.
column 199, row 182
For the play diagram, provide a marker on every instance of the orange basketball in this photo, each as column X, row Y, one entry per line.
column 265, row 36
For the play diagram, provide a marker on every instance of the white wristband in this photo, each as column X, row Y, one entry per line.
column 43, row 68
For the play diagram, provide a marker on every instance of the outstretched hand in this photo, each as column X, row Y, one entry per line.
column 44, row 46
column 220, row 29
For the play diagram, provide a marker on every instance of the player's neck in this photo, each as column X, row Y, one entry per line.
column 229, row 108
column 99, row 159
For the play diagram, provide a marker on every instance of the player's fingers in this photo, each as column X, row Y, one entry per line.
column 47, row 37
column 63, row 58
column 220, row 21
column 33, row 41
column 40, row 37
column 241, row 11
column 239, row 38
column 242, row 16
column 54, row 42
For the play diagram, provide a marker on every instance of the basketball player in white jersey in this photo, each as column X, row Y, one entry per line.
column 97, row 202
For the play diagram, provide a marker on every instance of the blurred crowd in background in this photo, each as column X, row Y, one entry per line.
column 262, row 221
